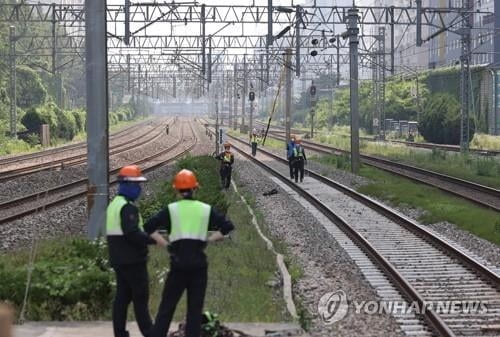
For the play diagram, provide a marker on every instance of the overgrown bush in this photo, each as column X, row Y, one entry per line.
column 37, row 116
column 440, row 121
column 66, row 123
column 71, row 280
column 80, row 119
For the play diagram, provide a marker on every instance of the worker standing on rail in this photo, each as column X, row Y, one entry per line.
column 298, row 159
column 289, row 154
column 254, row 139
column 167, row 129
column 128, row 251
column 187, row 223
column 226, row 166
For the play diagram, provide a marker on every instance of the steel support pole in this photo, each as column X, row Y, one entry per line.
column 392, row 40
column 297, row 40
column 230, row 96
column 381, row 77
column 56, row 76
column 353, row 31
column 465, row 89
column 245, row 89
column 338, row 61
column 13, row 81
column 270, row 38
column 288, row 93
column 235, row 87
column 209, row 63
column 126, row 10
column 174, row 87
column 203, row 40
column 97, row 115
column 128, row 73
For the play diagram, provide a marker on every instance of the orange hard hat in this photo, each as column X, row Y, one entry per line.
column 292, row 137
column 298, row 140
column 185, row 180
column 227, row 144
column 131, row 173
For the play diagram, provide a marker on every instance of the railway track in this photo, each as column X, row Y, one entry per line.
column 482, row 195
column 29, row 204
column 429, row 146
column 78, row 159
column 399, row 257
column 40, row 154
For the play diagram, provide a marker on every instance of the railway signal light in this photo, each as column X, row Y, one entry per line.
column 251, row 96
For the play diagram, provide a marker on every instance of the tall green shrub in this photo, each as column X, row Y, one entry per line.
column 440, row 121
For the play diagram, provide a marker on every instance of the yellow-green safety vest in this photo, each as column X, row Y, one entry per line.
column 298, row 151
column 113, row 218
column 255, row 138
column 227, row 157
column 189, row 220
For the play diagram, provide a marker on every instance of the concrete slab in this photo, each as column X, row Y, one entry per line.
column 104, row 329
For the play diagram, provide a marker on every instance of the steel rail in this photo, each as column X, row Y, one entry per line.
column 429, row 146
column 43, row 153
column 78, row 159
column 378, row 162
column 83, row 182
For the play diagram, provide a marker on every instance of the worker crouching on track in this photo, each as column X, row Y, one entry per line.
column 187, row 222
column 299, row 159
column 254, row 139
column 226, row 166
column 128, row 251
column 289, row 154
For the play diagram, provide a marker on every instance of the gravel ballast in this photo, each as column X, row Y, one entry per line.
column 71, row 218
column 326, row 267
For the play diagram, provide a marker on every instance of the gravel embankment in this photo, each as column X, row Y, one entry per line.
column 326, row 267
column 70, row 219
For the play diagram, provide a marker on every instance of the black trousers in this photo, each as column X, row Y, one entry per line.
column 195, row 282
column 254, row 149
column 298, row 167
column 225, row 175
column 132, row 285
column 290, row 165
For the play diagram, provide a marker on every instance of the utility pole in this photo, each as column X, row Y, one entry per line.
column 97, row 112
column 465, row 33
column 235, row 88
column 244, row 94
column 230, row 95
column 288, row 97
column 13, row 80
column 56, row 76
column 353, row 32
column 381, row 79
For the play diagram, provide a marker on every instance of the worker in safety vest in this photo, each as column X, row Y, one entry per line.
column 187, row 223
column 289, row 154
column 299, row 159
column 226, row 167
column 128, row 251
column 254, row 139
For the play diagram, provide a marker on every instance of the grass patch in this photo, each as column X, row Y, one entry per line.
column 479, row 169
column 238, row 268
column 438, row 205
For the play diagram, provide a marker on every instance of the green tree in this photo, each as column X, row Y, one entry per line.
column 30, row 89
column 440, row 121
